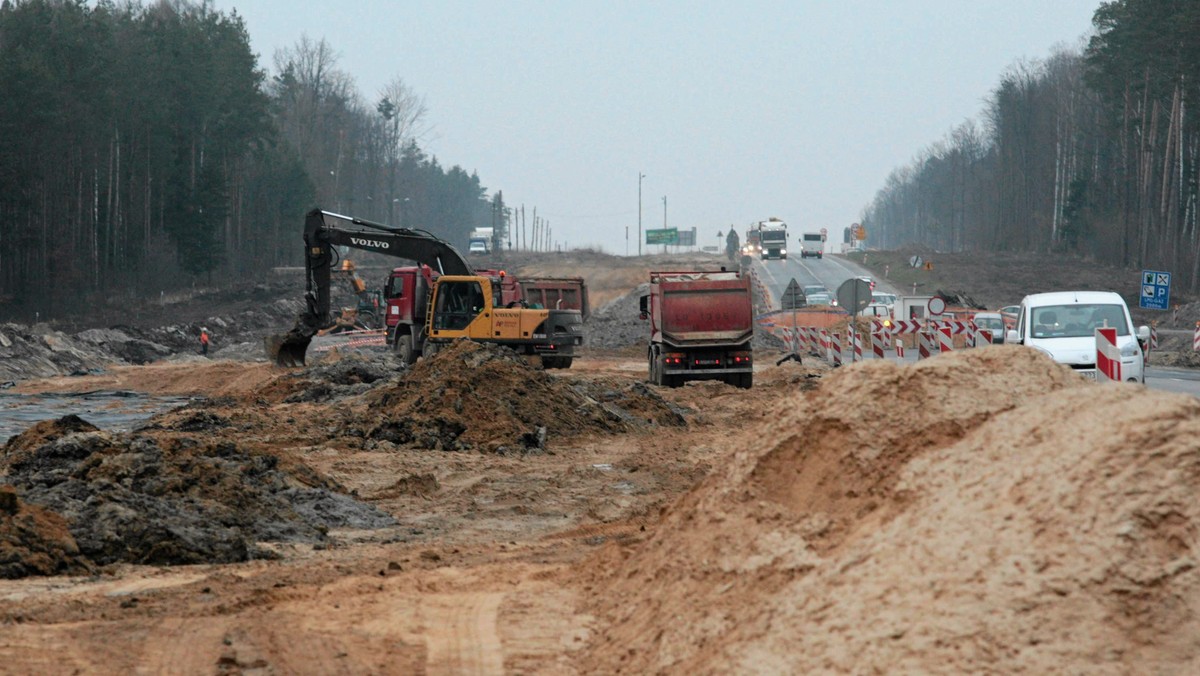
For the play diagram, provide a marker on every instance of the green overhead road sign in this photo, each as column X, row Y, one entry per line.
column 663, row 236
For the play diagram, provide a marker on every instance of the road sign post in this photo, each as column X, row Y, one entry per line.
column 1156, row 290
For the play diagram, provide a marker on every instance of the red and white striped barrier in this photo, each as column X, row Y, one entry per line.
column 814, row 339
column 924, row 340
column 856, row 341
column 357, row 339
column 824, row 345
column 1196, row 338
column 878, row 344
column 1153, row 335
column 836, row 348
column 898, row 345
column 945, row 337
column 981, row 337
column 901, row 326
column 1108, row 355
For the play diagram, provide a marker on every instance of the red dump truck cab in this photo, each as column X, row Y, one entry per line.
column 701, row 325
column 406, row 295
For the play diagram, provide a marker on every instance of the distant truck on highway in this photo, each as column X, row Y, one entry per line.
column 701, row 324
column 812, row 244
column 773, row 238
column 480, row 241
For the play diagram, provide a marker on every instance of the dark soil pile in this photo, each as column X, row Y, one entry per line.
column 173, row 494
column 337, row 375
column 473, row 396
column 34, row 541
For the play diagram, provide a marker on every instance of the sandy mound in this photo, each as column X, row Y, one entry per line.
column 173, row 493
column 1018, row 519
column 474, row 396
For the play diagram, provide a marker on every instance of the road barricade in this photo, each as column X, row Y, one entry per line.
column 1108, row 355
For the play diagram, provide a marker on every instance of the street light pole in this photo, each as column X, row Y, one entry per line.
column 640, row 177
column 664, row 220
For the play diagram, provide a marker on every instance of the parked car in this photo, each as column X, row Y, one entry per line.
column 992, row 321
column 816, row 288
column 1063, row 324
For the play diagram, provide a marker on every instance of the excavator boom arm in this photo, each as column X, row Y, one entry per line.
column 324, row 230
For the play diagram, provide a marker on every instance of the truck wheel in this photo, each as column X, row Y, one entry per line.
column 550, row 362
column 431, row 348
column 403, row 348
column 656, row 368
column 746, row 381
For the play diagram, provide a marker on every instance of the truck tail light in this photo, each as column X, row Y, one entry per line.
column 675, row 358
column 742, row 358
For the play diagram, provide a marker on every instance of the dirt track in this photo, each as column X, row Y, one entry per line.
column 826, row 520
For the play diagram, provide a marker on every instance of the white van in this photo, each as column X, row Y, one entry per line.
column 1063, row 325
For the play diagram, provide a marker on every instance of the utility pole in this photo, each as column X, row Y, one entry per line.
column 664, row 219
column 640, row 177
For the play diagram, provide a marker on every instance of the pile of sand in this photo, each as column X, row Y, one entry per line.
column 475, row 396
column 980, row 511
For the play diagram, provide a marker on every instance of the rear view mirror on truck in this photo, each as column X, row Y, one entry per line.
column 644, row 307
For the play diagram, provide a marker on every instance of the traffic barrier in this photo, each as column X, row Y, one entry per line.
column 902, row 326
column 878, row 346
column 836, row 349
column 856, row 345
column 1196, row 338
column 898, row 346
column 1153, row 335
column 814, row 339
column 825, row 346
column 924, row 338
column 982, row 337
column 1108, row 355
column 945, row 336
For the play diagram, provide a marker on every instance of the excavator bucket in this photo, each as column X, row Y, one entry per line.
column 287, row 349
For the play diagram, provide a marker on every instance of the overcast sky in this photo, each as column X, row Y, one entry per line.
column 735, row 112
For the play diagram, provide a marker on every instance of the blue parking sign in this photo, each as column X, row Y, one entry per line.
column 1156, row 290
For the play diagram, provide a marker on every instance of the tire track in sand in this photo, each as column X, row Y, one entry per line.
column 461, row 635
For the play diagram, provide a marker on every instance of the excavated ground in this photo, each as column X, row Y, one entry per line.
column 984, row 511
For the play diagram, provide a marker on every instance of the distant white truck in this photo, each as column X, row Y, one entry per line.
column 480, row 241
column 812, row 244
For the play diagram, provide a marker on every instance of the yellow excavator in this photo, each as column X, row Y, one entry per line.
column 462, row 304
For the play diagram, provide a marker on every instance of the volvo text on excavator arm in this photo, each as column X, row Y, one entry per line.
column 324, row 230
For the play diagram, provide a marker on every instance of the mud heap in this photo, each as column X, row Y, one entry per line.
column 172, row 493
column 473, row 396
column 980, row 511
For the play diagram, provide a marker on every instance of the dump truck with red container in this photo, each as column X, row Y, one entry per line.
column 701, row 325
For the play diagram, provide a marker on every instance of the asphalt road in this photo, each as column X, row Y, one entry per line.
column 831, row 271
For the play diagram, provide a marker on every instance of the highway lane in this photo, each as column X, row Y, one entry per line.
column 830, row 271
column 1183, row 381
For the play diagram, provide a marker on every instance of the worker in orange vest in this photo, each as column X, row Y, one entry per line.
column 204, row 341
